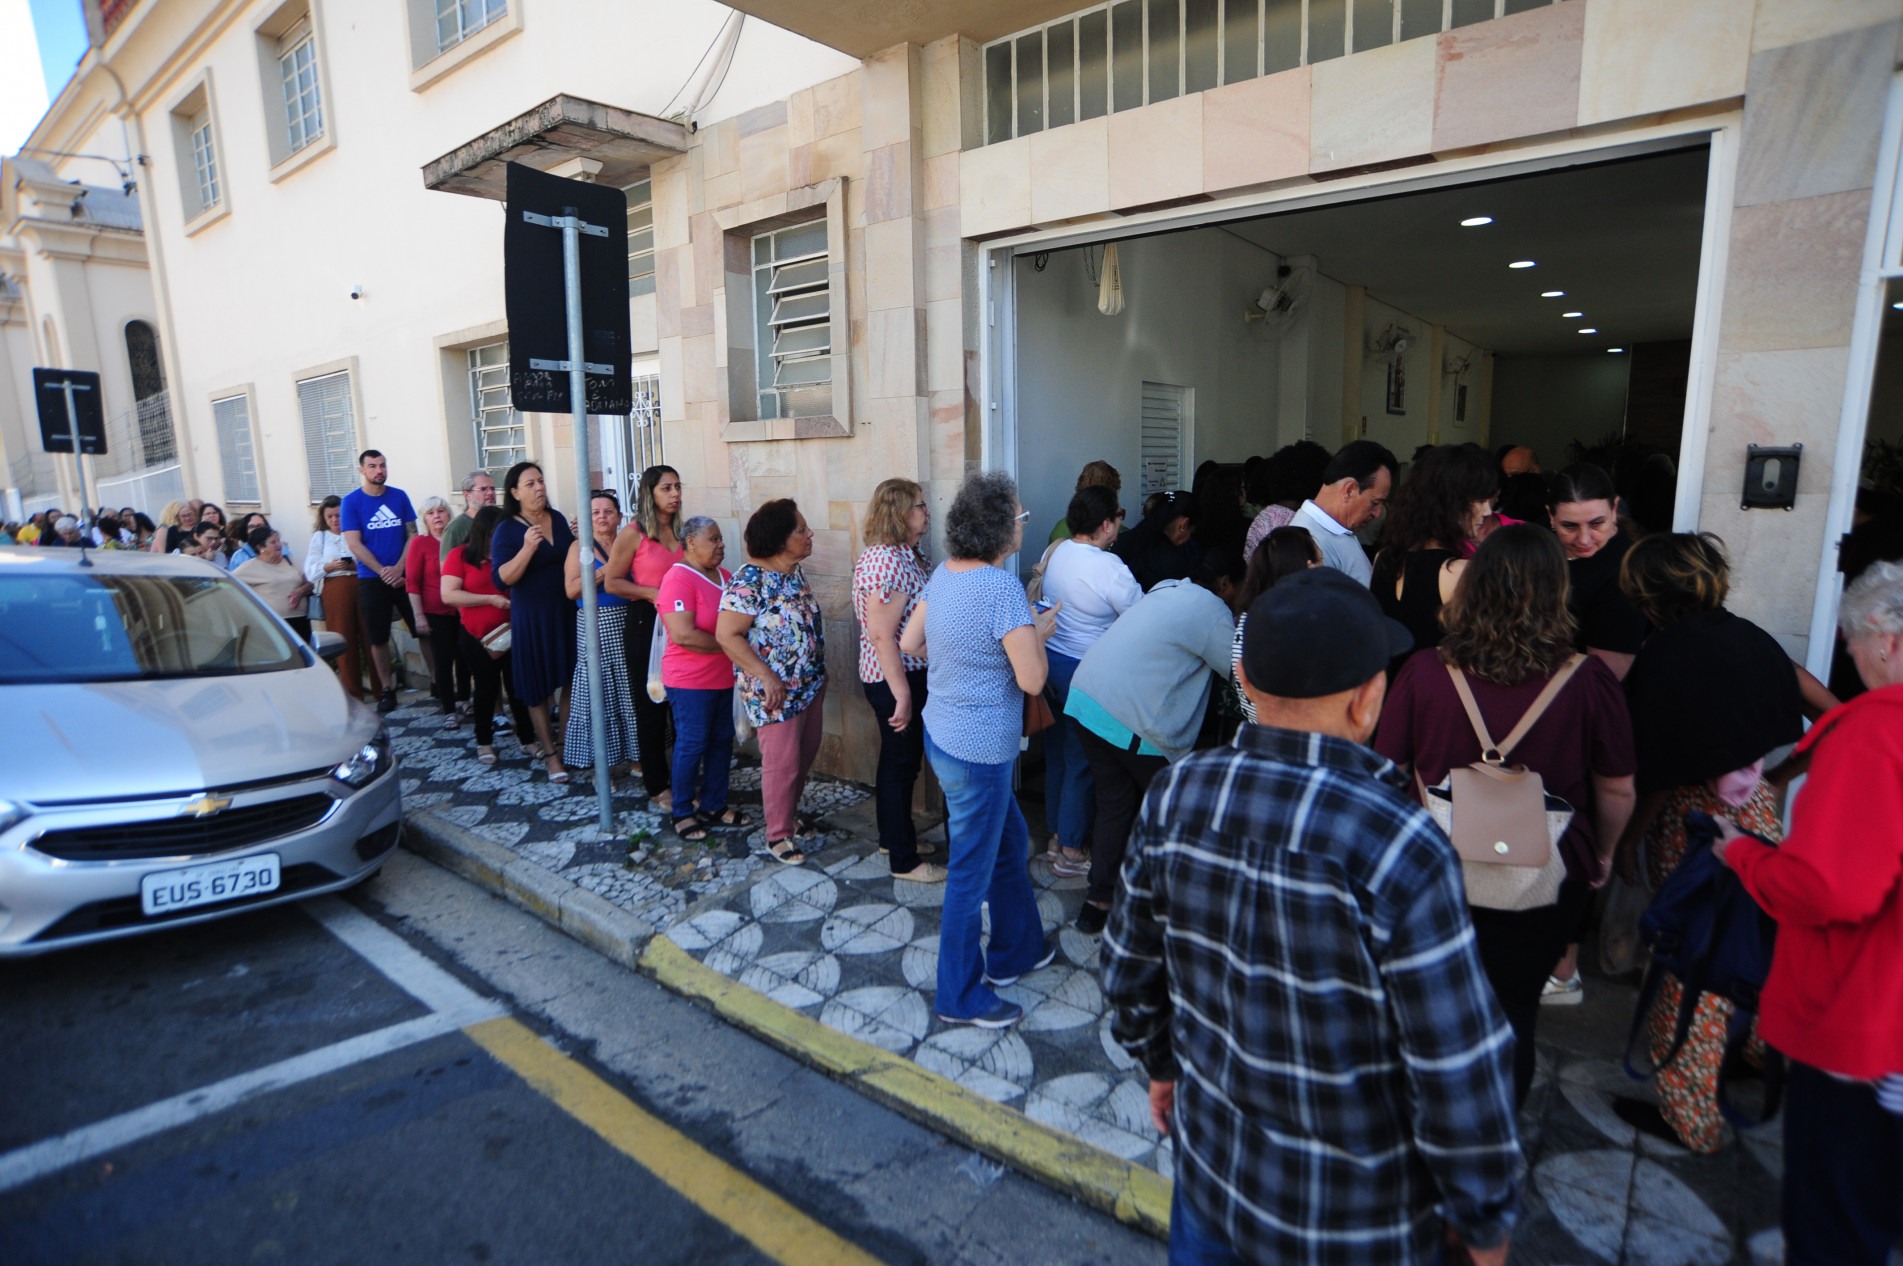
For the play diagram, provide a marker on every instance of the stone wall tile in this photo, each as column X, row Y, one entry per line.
column 940, row 119
column 891, row 353
column 720, row 146
column 723, row 191
column 1374, row 107
column 944, row 256
column 887, row 105
column 1642, row 57
column 667, row 294
column 697, row 320
column 941, row 181
column 1518, row 76
column 838, row 155
column 799, row 119
column 889, row 183
column 697, row 369
column 763, row 164
column 1256, row 131
column 836, row 105
column 1070, row 171
column 1777, row 590
column 944, row 345
column 994, row 187
column 1156, row 152
column 1792, row 277
column 1794, row 21
column 892, row 264
column 1812, row 115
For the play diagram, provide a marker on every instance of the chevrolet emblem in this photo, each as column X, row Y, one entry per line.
column 205, row 806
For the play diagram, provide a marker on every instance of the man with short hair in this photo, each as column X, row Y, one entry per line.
column 479, row 490
column 1291, row 961
column 377, row 522
column 1518, row 461
column 66, row 532
column 1356, row 485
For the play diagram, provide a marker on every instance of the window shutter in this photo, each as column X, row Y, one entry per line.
column 232, row 417
column 330, row 434
column 1165, row 418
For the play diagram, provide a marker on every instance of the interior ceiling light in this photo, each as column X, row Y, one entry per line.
column 1590, row 330
column 1475, row 221
column 1897, row 305
column 1570, row 315
column 1615, row 350
column 1521, row 263
column 1551, row 294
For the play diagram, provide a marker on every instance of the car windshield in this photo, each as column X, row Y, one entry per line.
column 90, row 628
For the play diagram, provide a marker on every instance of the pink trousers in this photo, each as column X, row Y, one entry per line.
column 787, row 751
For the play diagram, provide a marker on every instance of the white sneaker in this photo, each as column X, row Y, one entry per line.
column 1563, row 993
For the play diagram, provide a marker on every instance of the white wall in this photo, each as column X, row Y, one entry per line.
column 1080, row 373
column 1547, row 402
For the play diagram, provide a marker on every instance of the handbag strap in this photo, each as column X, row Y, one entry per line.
column 1489, row 750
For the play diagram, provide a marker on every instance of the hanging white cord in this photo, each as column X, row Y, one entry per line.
column 1110, row 286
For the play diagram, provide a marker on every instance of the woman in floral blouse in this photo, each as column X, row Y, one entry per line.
column 770, row 626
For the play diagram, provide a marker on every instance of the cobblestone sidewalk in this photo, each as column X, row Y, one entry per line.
column 841, row 940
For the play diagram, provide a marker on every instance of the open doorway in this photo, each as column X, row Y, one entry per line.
column 1553, row 310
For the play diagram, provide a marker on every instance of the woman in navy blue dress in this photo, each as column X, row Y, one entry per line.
column 528, row 556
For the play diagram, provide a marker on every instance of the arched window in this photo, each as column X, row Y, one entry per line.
column 142, row 350
column 156, row 442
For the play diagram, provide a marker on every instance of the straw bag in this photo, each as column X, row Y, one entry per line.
column 1503, row 825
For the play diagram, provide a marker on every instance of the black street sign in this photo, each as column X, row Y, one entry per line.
column 535, row 300
column 56, row 424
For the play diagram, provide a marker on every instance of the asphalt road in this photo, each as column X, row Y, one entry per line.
column 420, row 1073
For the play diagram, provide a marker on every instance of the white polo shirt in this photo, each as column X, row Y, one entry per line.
column 1339, row 547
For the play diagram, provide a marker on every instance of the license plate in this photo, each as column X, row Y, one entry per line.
column 169, row 890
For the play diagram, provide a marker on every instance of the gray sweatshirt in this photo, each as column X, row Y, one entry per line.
column 1150, row 670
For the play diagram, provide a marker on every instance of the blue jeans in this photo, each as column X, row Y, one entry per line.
column 1192, row 1241
column 1070, row 798
column 703, row 749
column 986, row 838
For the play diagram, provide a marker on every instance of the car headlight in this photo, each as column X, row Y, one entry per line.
column 366, row 764
column 11, row 813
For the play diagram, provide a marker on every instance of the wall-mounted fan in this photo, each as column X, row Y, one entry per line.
column 1278, row 306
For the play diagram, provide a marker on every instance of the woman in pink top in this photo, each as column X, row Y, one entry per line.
column 643, row 552
column 699, row 680
column 435, row 619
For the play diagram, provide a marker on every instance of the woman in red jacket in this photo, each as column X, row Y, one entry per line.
column 1834, row 1001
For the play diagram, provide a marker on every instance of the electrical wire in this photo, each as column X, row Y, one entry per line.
column 705, row 54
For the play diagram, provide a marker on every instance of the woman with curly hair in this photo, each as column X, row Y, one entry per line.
column 1508, row 635
column 1430, row 529
column 984, row 651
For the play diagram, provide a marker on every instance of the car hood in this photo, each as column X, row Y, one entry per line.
column 124, row 739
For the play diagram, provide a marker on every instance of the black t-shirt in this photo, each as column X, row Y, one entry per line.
column 1607, row 619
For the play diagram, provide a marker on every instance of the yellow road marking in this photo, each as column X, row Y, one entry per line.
column 757, row 1215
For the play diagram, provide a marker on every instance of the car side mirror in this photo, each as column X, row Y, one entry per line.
column 329, row 646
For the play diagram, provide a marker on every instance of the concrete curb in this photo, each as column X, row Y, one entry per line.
column 1128, row 1192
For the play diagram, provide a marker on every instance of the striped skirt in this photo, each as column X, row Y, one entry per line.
column 578, row 748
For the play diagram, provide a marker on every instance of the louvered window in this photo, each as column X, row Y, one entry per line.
column 640, row 238
column 232, row 417
column 793, row 321
column 501, row 438
column 1165, row 441
column 330, row 434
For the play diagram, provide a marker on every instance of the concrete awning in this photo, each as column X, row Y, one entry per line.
column 863, row 27
column 623, row 142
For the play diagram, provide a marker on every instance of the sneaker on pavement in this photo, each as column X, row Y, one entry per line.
column 1002, row 1016
column 1563, row 993
column 386, row 702
column 923, row 873
column 1002, row 982
column 1068, row 867
column 1091, row 919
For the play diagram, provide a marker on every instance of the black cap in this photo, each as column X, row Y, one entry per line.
column 1318, row 632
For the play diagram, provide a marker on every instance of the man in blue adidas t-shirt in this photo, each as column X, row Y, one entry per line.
column 377, row 525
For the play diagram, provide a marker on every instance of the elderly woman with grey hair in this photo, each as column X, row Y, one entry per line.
column 984, row 651
column 1835, row 994
column 699, row 680
column 438, row 627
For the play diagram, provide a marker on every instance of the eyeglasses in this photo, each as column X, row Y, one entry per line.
column 1022, row 517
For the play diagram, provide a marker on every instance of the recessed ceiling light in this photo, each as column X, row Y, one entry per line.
column 1590, row 330
column 1897, row 305
column 1551, row 294
column 1615, row 350
column 1570, row 315
column 1521, row 263
column 1475, row 221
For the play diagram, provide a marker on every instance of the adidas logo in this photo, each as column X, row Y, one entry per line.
column 385, row 517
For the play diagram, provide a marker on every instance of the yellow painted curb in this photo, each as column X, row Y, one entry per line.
column 1125, row 1190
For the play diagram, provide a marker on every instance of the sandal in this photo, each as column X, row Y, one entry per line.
column 732, row 817
column 812, row 824
column 786, row 852
column 556, row 773
column 690, row 828
column 485, row 753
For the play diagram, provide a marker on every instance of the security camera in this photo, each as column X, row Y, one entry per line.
column 356, row 292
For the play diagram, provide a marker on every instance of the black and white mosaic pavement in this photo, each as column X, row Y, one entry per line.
column 841, row 940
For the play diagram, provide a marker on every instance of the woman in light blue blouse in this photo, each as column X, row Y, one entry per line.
column 984, row 651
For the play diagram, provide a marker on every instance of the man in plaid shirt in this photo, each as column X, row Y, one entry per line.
column 1291, row 961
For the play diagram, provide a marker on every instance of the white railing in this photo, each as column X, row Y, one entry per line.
column 148, row 490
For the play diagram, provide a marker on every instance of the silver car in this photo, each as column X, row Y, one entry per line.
column 174, row 752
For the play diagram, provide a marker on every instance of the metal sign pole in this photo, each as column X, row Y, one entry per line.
column 591, row 631
column 72, row 428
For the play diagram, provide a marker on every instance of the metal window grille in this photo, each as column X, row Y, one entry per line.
column 303, row 100
column 330, row 434
column 1131, row 53
column 644, row 422
column 204, row 162
column 457, row 20
column 793, row 321
column 232, row 419
column 1164, row 439
column 640, row 238
column 501, row 438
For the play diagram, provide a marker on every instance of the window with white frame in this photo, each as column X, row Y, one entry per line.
column 640, row 238
column 204, row 161
column 793, row 321
column 330, row 434
column 457, row 20
column 297, row 73
column 237, row 455
column 501, row 438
